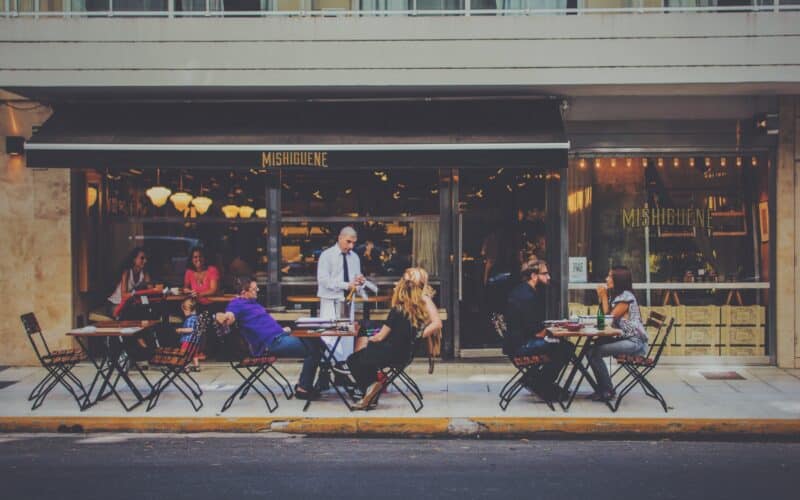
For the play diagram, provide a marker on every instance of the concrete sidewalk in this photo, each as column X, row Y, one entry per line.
column 461, row 399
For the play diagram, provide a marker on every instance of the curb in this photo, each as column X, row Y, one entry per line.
column 488, row 427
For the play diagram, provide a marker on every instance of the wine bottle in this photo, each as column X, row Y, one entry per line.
column 601, row 318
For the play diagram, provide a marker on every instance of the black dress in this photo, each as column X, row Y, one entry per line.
column 394, row 349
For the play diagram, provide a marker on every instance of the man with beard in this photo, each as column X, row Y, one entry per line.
column 525, row 315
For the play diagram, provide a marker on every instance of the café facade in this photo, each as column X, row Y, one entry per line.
column 467, row 187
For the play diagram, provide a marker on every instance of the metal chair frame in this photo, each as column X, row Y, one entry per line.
column 251, row 369
column 637, row 368
column 173, row 363
column 527, row 368
column 397, row 373
column 59, row 365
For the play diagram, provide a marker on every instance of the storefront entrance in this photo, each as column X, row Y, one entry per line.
column 503, row 220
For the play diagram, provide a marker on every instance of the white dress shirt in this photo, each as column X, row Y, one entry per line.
column 330, row 272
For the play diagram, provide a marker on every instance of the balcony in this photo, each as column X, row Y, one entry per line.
column 375, row 8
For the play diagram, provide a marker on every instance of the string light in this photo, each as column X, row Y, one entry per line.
column 676, row 162
column 644, row 162
column 660, row 163
column 754, row 161
column 708, row 162
column 738, row 161
column 628, row 162
column 582, row 163
column 723, row 162
column 691, row 162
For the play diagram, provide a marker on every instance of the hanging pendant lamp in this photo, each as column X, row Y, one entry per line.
column 158, row 194
column 181, row 199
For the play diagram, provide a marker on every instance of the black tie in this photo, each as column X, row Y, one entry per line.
column 344, row 268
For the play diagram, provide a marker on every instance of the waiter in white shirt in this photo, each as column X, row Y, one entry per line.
column 338, row 271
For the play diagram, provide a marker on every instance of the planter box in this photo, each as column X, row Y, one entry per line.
column 742, row 335
column 743, row 315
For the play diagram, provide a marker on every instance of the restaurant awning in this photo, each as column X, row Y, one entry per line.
column 507, row 132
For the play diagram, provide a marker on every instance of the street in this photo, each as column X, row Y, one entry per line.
column 269, row 465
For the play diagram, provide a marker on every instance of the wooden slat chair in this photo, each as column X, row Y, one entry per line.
column 173, row 363
column 58, row 363
column 638, row 367
column 527, row 367
column 251, row 369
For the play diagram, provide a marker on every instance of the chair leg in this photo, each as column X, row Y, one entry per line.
column 392, row 376
column 169, row 378
column 284, row 384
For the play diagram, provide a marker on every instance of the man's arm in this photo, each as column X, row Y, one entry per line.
column 226, row 318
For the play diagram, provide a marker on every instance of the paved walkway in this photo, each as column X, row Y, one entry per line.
column 460, row 399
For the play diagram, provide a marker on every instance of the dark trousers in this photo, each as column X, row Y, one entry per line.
column 559, row 353
column 364, row 364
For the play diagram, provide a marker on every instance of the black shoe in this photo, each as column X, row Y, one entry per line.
column 603, row 396
column 305, row 394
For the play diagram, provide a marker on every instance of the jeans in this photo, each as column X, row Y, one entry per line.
column 286, row 346
column 559, row 353
column 600, row 350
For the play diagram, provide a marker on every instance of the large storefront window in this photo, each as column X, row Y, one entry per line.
column 694, row 230
column 395, row 212
column 223, row 212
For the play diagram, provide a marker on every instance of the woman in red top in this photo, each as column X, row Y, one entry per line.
column 200, row 280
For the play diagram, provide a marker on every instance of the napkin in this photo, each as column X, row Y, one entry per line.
column 129, row 329
column 86, row 329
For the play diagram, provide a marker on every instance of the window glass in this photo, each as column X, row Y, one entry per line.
column 694, row 232
column 394, row 212
column 230, row 225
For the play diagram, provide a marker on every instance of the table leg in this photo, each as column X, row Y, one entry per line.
column 325, row 364
column 578, row 365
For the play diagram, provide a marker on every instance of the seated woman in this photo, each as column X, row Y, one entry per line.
column 133, row 277
column 627, row 317
column 412, row 311
column 200, row 279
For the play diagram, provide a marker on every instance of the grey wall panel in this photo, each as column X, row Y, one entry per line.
column 545, row 53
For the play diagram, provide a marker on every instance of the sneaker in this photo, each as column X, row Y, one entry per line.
column 342, row 376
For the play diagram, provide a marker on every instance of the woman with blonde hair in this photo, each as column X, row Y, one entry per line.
column 413, row 314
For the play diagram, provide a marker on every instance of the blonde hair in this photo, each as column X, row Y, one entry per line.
column 408, row 296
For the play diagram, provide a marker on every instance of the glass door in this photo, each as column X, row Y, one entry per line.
column 502, row 221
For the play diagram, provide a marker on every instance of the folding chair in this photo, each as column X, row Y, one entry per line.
column 251, row 368
column 396, row 374
column 527, row 367
column 638, row 367
column 173, row 362
column 58, row 364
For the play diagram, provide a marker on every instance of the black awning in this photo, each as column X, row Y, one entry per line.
column 336, row 134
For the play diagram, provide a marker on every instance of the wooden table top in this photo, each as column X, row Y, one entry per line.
column 312, row 334
column 311, row 299
column 214, row 299
column 588, row 331
column 113, row 329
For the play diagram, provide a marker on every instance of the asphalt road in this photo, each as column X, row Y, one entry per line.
column 210, row 466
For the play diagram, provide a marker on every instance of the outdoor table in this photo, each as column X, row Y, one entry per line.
column 327, row 360
column 112, row 362
column 589, row 335
column 212, row 299
column 314, row 302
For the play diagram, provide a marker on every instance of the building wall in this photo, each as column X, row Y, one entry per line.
column 787, row 235
column 36, row 263
column 555, row 54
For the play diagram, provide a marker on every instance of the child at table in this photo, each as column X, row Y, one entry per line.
column 189, row 308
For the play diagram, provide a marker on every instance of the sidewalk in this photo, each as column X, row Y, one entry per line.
column 460, row 400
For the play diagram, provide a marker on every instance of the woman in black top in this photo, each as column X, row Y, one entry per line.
column 413, row 313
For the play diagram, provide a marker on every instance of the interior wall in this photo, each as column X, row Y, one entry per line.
column 36, row 263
